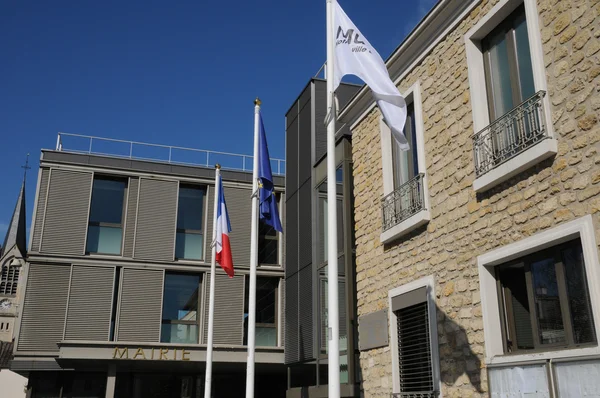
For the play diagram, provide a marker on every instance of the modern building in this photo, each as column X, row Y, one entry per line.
column 306, row 246
column 12, row 259
column 477, row 269
column 116, row 277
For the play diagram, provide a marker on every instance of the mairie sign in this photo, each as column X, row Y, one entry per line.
column 151, row 354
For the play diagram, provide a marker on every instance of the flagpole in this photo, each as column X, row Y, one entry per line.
column 253, row 261
column 211, row 301
column 332, row 252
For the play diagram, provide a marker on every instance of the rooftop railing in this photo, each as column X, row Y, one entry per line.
column 404, row 202
column 510, row 135
column 85, row 144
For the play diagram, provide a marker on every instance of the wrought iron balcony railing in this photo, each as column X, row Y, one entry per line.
column 510, row 135
column 420, row 394
column 404, row 202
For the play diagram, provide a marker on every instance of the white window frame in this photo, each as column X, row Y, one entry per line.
column 479, row 99
column 413, row 94
column 582, row 228
column 429, row 283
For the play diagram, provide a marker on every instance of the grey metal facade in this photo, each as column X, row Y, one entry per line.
column 99, row 302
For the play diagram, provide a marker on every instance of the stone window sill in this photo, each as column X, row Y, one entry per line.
column 542, row 150
column 406, row 226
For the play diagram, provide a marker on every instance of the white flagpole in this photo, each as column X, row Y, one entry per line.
column 253, row 261
column 332, row 252
column 211, row 302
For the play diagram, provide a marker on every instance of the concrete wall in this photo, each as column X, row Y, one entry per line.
column 13, row 385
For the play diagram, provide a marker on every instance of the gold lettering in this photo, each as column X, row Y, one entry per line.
column 152, row 353
column 163, row 353
column 183, row 355
column 175, row 354
column 121, row 352
column 139, row 352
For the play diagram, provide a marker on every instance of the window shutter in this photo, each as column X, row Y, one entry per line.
column 132, row 197
column 229, row 309
column 40, row 210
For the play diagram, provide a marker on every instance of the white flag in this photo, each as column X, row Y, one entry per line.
column 354, row 55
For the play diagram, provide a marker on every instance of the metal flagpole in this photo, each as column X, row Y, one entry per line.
column 253, row 261
column 211, row 302
column 332, row 260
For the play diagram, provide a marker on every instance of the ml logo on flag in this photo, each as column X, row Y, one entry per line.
column 347, row 37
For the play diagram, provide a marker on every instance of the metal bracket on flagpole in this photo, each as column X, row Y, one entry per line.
column 336, row 106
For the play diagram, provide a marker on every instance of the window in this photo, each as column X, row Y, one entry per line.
column 545, row 300
column 268, row 244
column 266, row 311
column 323, row 216
column 9, row 280
column 181, row 300
column 406, row 165
column 190, row 238
column 414, row 339
column 105, row 229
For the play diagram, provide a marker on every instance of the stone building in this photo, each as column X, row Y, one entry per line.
column 478, row 248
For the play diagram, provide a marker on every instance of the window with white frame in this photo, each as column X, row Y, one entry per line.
column 540, row 295
column 511, row 112
column 405, row 205
column 415, row 357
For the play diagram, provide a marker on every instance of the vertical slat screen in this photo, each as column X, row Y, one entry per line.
column 90, row 303
column 305, row 139
column 40, row 210
column 291, row 235
column 282, row 311
column 229, row 309
column 67, row 208
column 44, row 307
column 209, row 214
column 132, row 196
column 156, row 220
column 239, row 207
column 141, row 305
column 304, row 225
column 305, row 311
column 291, row 317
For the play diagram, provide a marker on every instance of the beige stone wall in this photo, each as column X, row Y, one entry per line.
column 465, row 225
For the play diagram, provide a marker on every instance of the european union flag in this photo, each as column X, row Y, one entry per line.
column 268, row 204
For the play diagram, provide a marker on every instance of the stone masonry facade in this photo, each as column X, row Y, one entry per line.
column 464, row 224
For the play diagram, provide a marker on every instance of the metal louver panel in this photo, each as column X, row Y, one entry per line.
column 282, row 311
column 305, row 311
column 210, row 207
column 305, row 227
column 291, row 235
column 414, row 352
column 156, row 220
column 229, row 309
column 90, row 303
column 291, row 316
column 305, row 141
column 132, row 196
column 291, row 175
column 141, row 305
column 239, row 207
column 67, row 209
column 40, row 210
column 44, row 307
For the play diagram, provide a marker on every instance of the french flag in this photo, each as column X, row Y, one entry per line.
column 223, row 228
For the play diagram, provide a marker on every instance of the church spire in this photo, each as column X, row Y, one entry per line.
column 16, row 233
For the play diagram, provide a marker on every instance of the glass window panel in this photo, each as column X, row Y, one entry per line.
column 405, row 163
column 190, row 208
column 547, row 302
column 524, row 58
column 500, row 73
column 104, row 240
column 107, row 201
column 189, row 246
column 179, row 333
column 266, row 304
column 266, row 337
column 268, row 247
column 579, row 296
column 180, row 301
column 513, row 279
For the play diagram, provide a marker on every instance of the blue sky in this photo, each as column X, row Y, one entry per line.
column 152, row 71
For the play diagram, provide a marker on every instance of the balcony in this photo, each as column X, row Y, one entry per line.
column 404, row 209
column 506, row 147
column 420, row 394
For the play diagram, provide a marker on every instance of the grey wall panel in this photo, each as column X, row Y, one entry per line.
column 291, row 155
column 229, row 309
column 282, row 310
column 320, row 113
column 90, row 303
column 305, row 225
column 209, row 214
column 305, row 126
column 132, row 196
column 67, row 208
column 305, row 311
column 239, row 207
column 291, row 316
column 156, row 220
column 39, row 211
column 291, row 235
column 44, row 307
column 141, row 305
